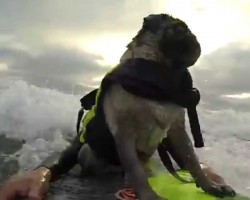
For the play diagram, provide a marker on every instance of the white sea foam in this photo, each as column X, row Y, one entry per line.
column 44, row 118
column 224, row 151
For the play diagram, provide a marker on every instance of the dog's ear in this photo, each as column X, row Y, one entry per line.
column 153, row 22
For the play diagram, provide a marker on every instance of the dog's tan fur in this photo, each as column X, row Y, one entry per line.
column 149, row 120
column 148, row 50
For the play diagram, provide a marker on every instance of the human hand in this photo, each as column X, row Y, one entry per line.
column 32, row 185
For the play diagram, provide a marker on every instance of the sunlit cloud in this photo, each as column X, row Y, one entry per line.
column 238, row 96
column 216, row 24
column 3, row 67
column 110, row 47
column 97, row 79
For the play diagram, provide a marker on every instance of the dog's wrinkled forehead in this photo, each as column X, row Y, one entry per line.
column 154, row 22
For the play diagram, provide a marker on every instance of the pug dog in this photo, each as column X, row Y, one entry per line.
column 140, row 111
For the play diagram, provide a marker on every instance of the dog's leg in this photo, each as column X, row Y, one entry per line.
column 133, row 168
column 177, row 135
column 183, row 146
column 126, row 122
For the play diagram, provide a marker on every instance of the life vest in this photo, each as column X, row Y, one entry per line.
column 145, row 79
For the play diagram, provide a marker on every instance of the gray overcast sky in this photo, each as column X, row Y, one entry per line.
column 64, row 43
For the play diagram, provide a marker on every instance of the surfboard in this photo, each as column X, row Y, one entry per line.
column 166, row 186
column 163, row 183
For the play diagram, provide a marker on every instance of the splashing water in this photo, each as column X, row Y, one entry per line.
column 46, row 118
column 43, row 118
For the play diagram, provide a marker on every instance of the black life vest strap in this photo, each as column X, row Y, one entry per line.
column 166, row 160
column 79, row 117
column 195, row 127
column 87, row 101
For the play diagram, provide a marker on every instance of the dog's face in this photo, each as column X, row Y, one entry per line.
column 175, row 40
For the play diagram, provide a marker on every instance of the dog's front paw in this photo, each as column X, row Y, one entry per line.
column 227, row 190
column 216, row 189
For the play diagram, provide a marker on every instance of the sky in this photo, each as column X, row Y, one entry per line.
column 69, row 45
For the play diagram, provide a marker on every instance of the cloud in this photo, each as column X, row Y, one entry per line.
column 3, row 67
column 79, row 14
column 80, row 23
column 224, row 72
column 53, row 67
